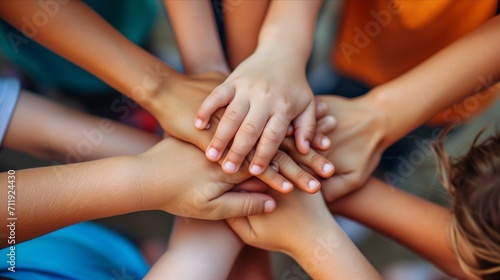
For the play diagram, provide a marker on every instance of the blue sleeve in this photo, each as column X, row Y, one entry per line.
column 9, row 93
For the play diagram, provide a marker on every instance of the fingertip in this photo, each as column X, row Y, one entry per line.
column 289, row 130
column 256, row 170
column 328, row 168
column 212, row 154
column 198, row 123
column 325, row 143
column 229, row 167
column 269, row 206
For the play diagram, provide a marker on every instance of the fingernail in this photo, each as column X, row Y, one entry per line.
column 208, row 126
column 313, row 184
column 274, row 167
column 330, row 119
column 256, row 170
column 229, row 166
column 198, row 123
column 327, row 167
column 325, row 142
column 289, row 129
column 212, row 153
column 321, row 106
column 269, row 206
column 307, row 144
column 286, row 185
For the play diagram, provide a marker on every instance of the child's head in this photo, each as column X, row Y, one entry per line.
column 474, row 182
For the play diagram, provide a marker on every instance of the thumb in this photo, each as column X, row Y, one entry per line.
column 305, row 128
column 241, row 226
column 238, row 204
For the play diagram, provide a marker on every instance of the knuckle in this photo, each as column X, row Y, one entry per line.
column 317, row 159
column 250, row 128
column 218, row 142
column 272, row 135
column 302, row 176
column 248, row 207
column 280, row 158
column 231, row 115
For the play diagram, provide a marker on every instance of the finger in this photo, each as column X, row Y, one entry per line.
column 219, row 97
column 268, row 145
column 245, row 139
column 271, row 176
column 336, row 187
column 293, row 172
column 241, row 226
column 326, row 124
column 321, row 142
column 238, row 204
column 313, row 160
column 228, row 125
column 251, row 185
column 289, row 131
column 305, row 128
column 321, row 109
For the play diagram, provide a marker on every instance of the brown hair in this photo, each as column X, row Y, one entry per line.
column 473, row 180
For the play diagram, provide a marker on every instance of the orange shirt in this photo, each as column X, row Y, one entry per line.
column 381, row 39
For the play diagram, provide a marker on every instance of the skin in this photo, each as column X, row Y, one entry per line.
column 136, row 73
column 303, row 228
column 260, row 103
column 420, row 225
column 369, row 124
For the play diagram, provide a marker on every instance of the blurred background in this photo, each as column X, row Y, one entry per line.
column 150, row 230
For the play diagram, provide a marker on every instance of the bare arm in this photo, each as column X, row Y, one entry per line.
column 197, row 36
column 464, row 67
column 303, row 228
column 420, row 225
column 369, row 124
column 70, row 136
column 198, row 249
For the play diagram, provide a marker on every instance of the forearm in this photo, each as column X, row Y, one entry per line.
column 330, row 254
column 463, row 68
column 70, row 136
column 289, row 28
column 50, row 198
column 194, row 25
column 418, row 224
column 198, row 249
column 79, row 34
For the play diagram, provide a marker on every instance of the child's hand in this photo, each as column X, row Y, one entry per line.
column 182, row 100
column 264, row 94
column 298, row 217
column 358, row 143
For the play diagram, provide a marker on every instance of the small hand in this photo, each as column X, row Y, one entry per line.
column 261, row 103
column 357, row 143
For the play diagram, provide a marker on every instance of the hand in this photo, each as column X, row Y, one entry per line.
column 261, row 103
column 297, row 220
column 325, row 124
column 358, row 143
column 176, row 178
column 176, row 105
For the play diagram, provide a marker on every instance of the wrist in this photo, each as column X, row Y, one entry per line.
column 385, row 114
column 320, row 246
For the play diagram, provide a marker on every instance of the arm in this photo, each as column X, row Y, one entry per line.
column 198, row 249
column 266, row 92
column 132, row 71
column 69, row 136
column 49, row 198
column 303, row 228
column 193, row 23
column 420, row 225
column 369, row 124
